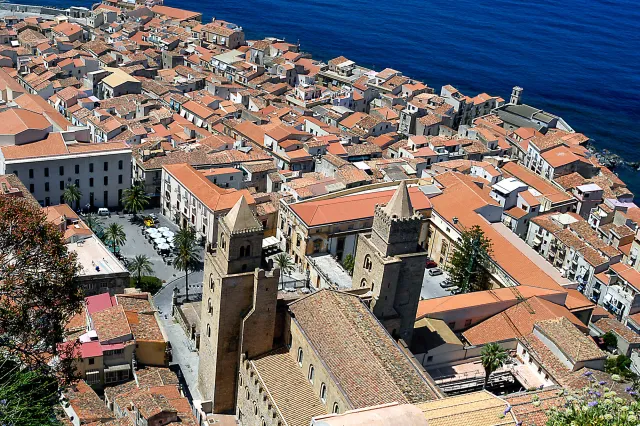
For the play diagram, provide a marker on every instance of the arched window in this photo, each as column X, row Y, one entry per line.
column 223, row 243
column 367, row 263
column 311, row 373
column 242, row 251
column 317, row 245
column 323, row 392
column 263, row 422
column 246, row 390
column 208, row 330
column 247, row 250
column 211, row 282
column 336, row 408
column 209, row 306
column 300, row 357
column 373, row 286
column 255, row 408
column 363, row 283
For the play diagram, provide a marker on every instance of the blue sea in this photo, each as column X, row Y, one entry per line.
column 577, row 59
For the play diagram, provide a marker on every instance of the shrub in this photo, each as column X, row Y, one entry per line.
column 147, row 283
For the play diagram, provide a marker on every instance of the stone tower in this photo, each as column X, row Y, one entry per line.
column 390, row 262
column 238, row 306
column 516, row 96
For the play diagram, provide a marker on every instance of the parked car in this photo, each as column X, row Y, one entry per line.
column 447, row 283
column 435, row 271
column 103, row 211
column 430, row 264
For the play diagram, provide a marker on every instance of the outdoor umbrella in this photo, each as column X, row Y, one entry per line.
column 163, row 246
column 168, row 234
column 159, row 241
column 163, row 229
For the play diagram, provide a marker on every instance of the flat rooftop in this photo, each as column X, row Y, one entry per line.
column 94, row 258
column 331, row 269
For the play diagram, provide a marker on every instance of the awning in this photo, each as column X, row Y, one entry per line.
column 537, row 241
column 120, row 367
column 270, row 242
column 607, row 298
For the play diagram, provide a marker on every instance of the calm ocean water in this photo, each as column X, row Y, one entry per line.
column 574, row 58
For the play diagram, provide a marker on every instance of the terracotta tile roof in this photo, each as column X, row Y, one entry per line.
column 577, row 301
column 573, row 343
column 15, row 120
column 610, row 324
column 214, row 197
column 360, row 206
column 348, row 338
column 473, row 409
column 111, row 323
column 518, row 321
column 522, row 405
column 433, row 307
column 541, row 185
column 175, row 13
column 87, row 404
column 291, row 393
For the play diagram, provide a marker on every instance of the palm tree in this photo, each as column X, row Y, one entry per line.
column 140, row 265
column 94, row 222
column 186, row 254
column 115, row 236
column 72, row 195
column 284, row 262
column 135, row 199
column 493, row 357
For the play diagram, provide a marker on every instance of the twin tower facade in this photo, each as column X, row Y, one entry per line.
column 239, row 298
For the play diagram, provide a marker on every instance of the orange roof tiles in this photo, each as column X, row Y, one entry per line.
column 352, row 207
column 518, row 321
column 214, row 197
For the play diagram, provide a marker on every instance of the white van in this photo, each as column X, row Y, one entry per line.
column 103, row 211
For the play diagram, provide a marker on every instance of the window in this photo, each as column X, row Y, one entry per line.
column 317, row 245
column 77, row 183
column 300, row 356
column 106, row 166
column 211, row 281
column 120, row 165
column 90, row 181
column 46, row 186
column 247, row 250
column 336, row 408
column 246, row 392
column 106, row 180
column 363, row 283
column 255, row 408
column 452, row 325
column 61, row 185
column 323, row 392
column 46, row 172
column 31, row 188
column 209, row 306
column 367, row 263
column 467, row 323
column 263, row 423
column 120, row 179
column 208, row 330
column 77, row 169
column 61, row 170
column 90, row 167
column 242, row 251
column 311, row 373
column 429, row 358
column 30, row 173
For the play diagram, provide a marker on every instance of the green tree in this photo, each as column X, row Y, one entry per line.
column 186, row 254
column 469, row 264
column 610, row 339
column 493, row 356
column 135, row 199
column 27, row 396
column 115, row 236
column 620, row 365
column 348, row 263
column 140, row 265
column 72, row 195
column 94, row 223
column 285, row 263
column 39, row 295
